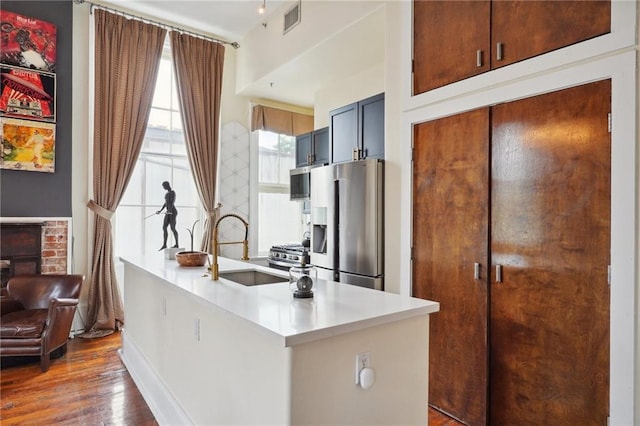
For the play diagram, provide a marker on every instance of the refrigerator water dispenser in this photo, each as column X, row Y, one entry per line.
column 319, row 223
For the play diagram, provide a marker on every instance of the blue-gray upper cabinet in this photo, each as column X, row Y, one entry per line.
column 356, row 131
column 313, row 148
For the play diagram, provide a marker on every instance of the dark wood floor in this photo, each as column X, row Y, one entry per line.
column 87, row 386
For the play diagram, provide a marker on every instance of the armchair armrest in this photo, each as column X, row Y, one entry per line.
column 8, row 305
column 65, row 302
column 60, row 308
column 59, row 320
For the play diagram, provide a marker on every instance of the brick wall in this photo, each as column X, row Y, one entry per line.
column 54, row 247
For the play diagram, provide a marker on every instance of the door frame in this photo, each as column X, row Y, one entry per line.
column 622, row 70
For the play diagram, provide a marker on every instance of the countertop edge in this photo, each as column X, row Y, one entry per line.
column 337, row 330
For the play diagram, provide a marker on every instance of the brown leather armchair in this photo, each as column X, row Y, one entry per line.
column 36, row 315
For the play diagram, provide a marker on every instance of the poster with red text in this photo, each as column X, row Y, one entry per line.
column 27, row 93
column 27, row 42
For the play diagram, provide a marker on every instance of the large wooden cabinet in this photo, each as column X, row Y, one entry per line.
column 512, row 236
column 454, row 40
column 356, row 131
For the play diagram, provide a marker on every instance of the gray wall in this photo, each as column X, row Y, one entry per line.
column 36, row 194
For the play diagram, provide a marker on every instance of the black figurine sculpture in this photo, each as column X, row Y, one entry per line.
column 170, row 215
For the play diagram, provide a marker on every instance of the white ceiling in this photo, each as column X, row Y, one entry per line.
column 295, row 83
column 229, row 19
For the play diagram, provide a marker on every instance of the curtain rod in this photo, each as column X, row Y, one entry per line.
column 234, row 44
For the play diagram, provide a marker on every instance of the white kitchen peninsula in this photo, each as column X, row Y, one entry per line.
column 217, row 352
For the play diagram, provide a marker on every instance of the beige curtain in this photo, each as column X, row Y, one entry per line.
column 280, row 121
column 127, row 55
column 198, row 65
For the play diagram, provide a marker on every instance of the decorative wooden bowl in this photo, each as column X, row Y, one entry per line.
column 191, row 258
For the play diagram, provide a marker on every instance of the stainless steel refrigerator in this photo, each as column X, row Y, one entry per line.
column 347, row 222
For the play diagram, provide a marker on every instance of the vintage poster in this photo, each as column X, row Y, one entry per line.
column 27, row 42
column 27, row 145
column 27, row 93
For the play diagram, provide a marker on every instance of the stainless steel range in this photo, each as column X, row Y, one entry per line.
column 287, row 255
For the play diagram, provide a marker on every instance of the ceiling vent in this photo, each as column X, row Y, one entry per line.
column 291, row 18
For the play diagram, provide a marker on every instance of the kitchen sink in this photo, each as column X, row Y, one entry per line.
column 252, row 277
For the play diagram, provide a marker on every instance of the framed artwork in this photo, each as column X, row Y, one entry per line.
column 27, row 42
column 27, row 93
column 27, row 145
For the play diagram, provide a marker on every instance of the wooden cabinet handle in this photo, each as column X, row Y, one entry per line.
column 478, row 58
column 476, row 271
column 498, row 273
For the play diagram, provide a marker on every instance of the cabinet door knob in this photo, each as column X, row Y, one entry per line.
column 478, row 58
column 499, row 47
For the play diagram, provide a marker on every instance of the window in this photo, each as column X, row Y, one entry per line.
column 138, row 230
column 279, row 219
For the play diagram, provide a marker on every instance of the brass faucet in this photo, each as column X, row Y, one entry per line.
column 215, row 274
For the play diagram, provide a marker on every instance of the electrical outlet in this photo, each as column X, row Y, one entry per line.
column 362, row 361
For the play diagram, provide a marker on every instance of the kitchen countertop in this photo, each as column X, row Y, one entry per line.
column 335, row 308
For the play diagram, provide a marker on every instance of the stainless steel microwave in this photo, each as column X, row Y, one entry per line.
column 300, row 183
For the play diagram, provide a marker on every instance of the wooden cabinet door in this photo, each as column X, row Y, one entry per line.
column 303, row 149
column 450, row 41
column 550, row 232
column 450, row 235
column 527, row 28
column 343, row 132
column 371, row 126
column 320, row 146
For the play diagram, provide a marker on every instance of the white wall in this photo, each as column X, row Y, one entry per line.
column 233, row 107
column 394, row 161
column 267, row 49
column 637, row 218
column 80, row 143
column 360, row 86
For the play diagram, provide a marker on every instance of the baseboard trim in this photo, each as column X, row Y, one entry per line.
column 163, row 405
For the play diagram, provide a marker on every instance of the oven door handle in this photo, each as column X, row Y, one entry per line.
column 281, row 263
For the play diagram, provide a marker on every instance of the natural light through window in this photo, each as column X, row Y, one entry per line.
column 279, row 219
column 138, row 230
